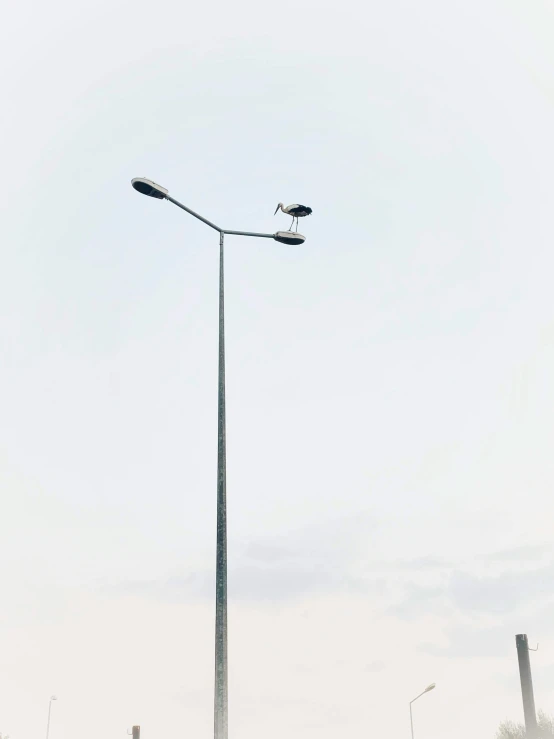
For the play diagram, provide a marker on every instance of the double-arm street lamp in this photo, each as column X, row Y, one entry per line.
column 147, row 187
column 427, row 689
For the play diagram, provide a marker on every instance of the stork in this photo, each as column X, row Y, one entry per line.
column 295, row 210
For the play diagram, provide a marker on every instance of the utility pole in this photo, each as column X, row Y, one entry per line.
column 529, row 712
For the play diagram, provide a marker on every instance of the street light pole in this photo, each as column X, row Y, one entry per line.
column 221, row 677
column 529, row 712
column 52, row 698
column 221, row 706
column 427, row 689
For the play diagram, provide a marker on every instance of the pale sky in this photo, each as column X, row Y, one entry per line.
column 390, row 383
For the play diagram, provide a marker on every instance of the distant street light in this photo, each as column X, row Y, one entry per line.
column 151, row 189
column 52, row 698
column 427, row 690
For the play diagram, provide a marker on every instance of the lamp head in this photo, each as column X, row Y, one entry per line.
column 147, row 187
column 289, row 237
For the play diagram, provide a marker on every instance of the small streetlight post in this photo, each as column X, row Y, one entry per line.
column 151, row 189
column 427, row 690
column 52, row 698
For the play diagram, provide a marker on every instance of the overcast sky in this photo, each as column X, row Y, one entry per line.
column 390, row 383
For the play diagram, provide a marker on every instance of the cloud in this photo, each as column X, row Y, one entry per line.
column 496, row 638
column 429, row 562
column 268, row 551
column 329, row 558
column 252, row 583
column 462, row 591
column 520, row 554
column 418, row 602
column 466, row 641
column 336, row 541
column 276, row 583
column 311, row 560
column 507, row 592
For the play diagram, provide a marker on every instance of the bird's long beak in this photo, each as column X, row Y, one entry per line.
column 277, row 208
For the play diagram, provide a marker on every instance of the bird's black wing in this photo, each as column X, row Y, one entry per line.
column 300, row 210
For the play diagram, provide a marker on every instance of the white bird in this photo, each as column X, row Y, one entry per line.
column 295, row 210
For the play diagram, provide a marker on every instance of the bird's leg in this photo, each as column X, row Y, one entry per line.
column 292, row 224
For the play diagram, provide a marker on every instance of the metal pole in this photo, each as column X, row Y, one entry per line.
column 221, row 688
column 192, row 213
column 48, row 723
column 529, row 712
column 250, row 233
column 427, row 690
